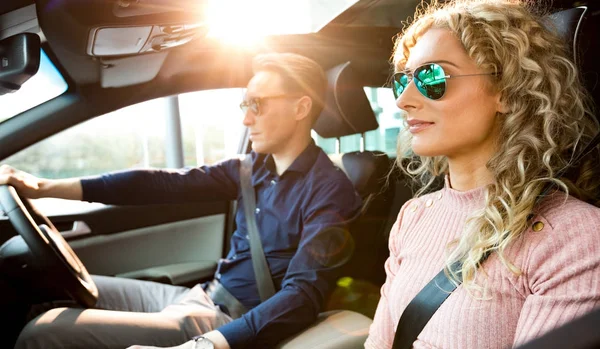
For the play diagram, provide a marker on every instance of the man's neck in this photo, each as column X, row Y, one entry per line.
column 283, row 159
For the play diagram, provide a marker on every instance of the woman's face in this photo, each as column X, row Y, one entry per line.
column 463, row 122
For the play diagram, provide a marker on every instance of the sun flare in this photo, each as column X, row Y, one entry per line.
column 246, row 23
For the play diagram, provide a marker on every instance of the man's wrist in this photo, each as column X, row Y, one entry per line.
column 201, row 342
column 217, row 339
column 69, row 188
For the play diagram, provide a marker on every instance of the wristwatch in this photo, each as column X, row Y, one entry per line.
column 201, row 342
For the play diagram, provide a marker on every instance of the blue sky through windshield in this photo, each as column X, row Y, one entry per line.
column 42, row 87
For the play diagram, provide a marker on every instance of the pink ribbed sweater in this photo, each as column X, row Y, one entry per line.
column 560, row 279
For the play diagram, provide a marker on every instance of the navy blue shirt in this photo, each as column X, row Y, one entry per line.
column 302, row 218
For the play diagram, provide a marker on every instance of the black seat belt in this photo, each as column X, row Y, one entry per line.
column 264, row 282
column 422, row 307
column 430, row 298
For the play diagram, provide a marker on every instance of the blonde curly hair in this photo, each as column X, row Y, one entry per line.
column 549, row 121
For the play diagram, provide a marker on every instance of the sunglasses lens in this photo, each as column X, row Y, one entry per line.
column 249, row 105
column 254, row 106
column 430, row 80
column 399, row 82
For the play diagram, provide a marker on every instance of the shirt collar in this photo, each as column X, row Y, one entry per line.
column 302, row 164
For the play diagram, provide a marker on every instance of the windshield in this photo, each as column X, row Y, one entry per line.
column 42, row 87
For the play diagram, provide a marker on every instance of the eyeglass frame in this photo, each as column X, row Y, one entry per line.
column 411, row 76
column 246, row 105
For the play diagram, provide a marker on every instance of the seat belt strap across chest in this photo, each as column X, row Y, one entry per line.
column 422, row 307
column 264, row 282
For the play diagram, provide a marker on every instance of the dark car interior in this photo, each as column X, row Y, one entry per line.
column 117, row 53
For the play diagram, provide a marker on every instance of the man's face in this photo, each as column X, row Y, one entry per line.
column 274, row 125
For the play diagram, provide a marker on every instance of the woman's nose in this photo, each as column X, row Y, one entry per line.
column 410, row 98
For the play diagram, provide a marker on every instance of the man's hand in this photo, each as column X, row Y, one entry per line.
column 215, row 336
column 26, row 184
column 33, row 187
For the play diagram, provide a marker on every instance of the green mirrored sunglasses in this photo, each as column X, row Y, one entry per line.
column 430, row 80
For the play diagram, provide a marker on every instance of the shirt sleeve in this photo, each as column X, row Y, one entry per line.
column 562, row 274
column 382, row 330
column 219, row 182
column 324, row 246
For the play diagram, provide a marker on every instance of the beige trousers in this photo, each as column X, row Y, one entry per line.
column 128, row 312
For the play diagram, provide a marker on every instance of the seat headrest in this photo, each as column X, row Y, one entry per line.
column 367, row 170
column 581, row 34
column 347, row 109
column 567, row 24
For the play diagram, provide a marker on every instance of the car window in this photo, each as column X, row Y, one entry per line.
column 45, row 85
column 383, row 138
column 211, row 130
column 137, row 137
column 211, row 125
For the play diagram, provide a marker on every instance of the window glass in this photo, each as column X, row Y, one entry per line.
column 45, row 85
column 384, row 138
column 327, row 144
column 211, row 125
column 136, row 137
column 132, row 137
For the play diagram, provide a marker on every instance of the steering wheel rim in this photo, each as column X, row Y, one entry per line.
column 49, row 247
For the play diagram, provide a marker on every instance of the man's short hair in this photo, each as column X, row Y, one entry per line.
column 299, row 74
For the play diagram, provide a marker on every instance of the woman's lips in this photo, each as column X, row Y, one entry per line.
column 415, row 126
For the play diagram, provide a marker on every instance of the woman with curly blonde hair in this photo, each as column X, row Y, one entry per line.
column 493, row 102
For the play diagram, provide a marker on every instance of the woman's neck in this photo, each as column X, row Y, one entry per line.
column 468, row 174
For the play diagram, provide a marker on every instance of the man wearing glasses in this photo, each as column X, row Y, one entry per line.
column 303, row 205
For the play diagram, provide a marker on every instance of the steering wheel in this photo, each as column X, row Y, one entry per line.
column 48, row 247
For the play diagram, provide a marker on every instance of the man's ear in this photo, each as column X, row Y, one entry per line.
column 303, row 107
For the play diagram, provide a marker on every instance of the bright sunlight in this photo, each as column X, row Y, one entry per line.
column 245, row 23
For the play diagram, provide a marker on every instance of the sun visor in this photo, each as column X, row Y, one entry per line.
column 131, row 70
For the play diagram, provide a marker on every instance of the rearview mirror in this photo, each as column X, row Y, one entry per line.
column 19, row 60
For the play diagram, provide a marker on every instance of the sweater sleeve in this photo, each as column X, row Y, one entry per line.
column 562, row 273
column 382, row 330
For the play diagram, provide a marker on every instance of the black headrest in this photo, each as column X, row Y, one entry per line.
column 581, row 33
column 567, row 24
column 347, row 109
column 367, row 170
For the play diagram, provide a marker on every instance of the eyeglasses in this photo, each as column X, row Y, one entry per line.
column 255, row 103
column 430, row 80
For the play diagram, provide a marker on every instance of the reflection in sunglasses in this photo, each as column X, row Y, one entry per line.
column 430, row 80
column 254, row 104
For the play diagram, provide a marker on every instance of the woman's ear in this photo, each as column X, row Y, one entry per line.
column 303, row 107
column 501, row 105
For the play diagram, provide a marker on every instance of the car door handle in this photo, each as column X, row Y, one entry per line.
column 79, row 228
